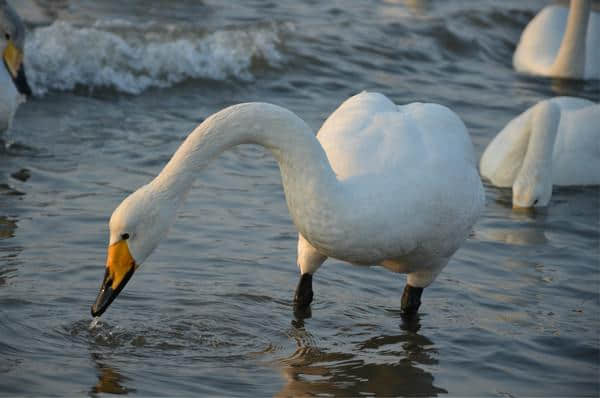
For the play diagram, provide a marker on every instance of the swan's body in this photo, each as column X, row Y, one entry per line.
column 555, row 142
column 12, row 76
column 9, row 99
column 561, row 42
column 381, row 184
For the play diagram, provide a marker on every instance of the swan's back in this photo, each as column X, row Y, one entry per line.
column 542, row 37
column 370, row 135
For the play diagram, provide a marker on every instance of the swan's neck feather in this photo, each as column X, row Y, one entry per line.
column 534, row 180
column 544, row 127
column 570, row 60
column 310, row 184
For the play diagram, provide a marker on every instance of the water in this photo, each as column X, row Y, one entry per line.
column 119, row 85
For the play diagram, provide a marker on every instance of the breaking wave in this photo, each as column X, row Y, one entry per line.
column 131, row 58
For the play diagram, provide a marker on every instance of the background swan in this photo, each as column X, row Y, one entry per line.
column 561, row 42
column 381, row 184
column 555, row 142
column 12, row 73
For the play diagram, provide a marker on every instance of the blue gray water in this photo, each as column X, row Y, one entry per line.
column 119, row 84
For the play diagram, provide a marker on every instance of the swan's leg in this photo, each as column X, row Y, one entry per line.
column 304, row 292
column 309, row 260
column 415, row 283
column 411, row 300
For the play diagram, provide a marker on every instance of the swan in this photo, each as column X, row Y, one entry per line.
column 555, row 142
column 13, row 83
column 561, row 43
column 381, row 184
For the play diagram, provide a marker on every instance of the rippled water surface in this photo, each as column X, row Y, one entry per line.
column 119, row 84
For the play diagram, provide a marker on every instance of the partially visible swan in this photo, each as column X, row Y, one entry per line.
column 561, row 42
column 380, row 184
column 555, row 142
column 12, row 73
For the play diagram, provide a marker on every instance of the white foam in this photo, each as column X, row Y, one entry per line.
column 129, row 58
column 94, row 323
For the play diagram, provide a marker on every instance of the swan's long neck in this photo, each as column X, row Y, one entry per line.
column 570, row 60
column 544, row 128
column 533, row 183
column 310, row 185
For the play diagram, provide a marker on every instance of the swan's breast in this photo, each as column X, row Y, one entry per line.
column 9, row 99
column 389, row 218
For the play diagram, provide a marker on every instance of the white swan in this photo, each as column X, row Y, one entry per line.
column 560, row 42
column 381, row 184
column 12, row 73
column 555, row 142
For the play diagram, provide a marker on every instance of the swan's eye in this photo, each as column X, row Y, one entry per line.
column 125, row 236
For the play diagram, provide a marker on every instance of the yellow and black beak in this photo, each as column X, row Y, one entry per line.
column 120, row 265
column 13, row 59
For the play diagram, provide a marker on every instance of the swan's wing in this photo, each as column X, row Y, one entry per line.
column 541, row 39
column 369, row 135
column 576, row 156
column 502, row 159
column 571, row 103
column 592, row 49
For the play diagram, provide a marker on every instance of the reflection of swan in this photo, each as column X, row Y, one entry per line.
column 7, row 227
column 385, row 365
column 382, row 184
column 398, row 8
column 514, row 234
column 561, row 43
column 12, row 73
column 7, row 230
column 556, row 142
column 109, row 379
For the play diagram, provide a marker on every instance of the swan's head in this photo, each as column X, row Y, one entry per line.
column 531, row 189
column 12, row 42
column 136, row 226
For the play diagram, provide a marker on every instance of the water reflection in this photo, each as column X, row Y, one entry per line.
column 8, row 253
column 401, row 9
column 418, row 7
column 7, row 227
column 522, row 226
column 517, row 227
column 380, row 365
column 109, row 379
column 568, row 87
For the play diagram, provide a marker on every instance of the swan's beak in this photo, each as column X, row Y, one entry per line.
column 13, row 59
column 119, row 268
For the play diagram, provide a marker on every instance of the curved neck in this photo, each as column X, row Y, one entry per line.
column 310, row 184
column 544, row 124
column 570, row 60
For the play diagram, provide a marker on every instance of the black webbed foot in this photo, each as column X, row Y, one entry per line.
column 303, row 297
column 411, row 300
